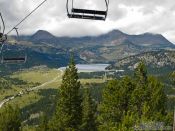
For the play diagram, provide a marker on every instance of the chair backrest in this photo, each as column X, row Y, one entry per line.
column 13, row 56
column 86, row 13
column 14, row 60
column 97, row 12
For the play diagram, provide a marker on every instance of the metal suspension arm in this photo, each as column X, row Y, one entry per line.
column 67, row 7
column 2, row 23
column 107, row 6
column 107, row 3
column 16, row 29
column 3, row 37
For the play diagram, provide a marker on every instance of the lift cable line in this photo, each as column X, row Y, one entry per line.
column 86, row 13
column 26, row 16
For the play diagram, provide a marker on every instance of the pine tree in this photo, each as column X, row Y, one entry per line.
column 10, row 119
column 88, row 113
column 148, row 99
column 68, row 110
column 141, row 73
column 158, row 99
column 172, row 77
column 140, row 93
column 115, row 103
column 129, row 120
column 129, row 101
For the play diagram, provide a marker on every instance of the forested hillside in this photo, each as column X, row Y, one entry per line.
column 48, row 99
column 125, row 104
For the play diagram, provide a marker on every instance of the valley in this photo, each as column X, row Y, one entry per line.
column 36, row 80
column 95, row 65
column 34, row 86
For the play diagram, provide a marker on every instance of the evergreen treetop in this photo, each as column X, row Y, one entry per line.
column 68, row 110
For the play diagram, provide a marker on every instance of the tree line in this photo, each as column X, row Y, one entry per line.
column 125, row 104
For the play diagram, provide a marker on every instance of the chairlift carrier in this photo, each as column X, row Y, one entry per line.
column 3, row 39
column 13, row 59
column 86, row 13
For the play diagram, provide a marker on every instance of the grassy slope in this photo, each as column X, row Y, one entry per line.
column 40, row 76
column 33, row 77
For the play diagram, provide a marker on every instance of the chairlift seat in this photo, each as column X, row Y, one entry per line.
column 85, row 11
column 13, row 56
column 86, row 17
column 14, row 60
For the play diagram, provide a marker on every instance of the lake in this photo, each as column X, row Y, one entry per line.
column 90, row 67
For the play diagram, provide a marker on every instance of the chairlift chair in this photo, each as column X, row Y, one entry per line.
column 13, row 56
column 86, row 13
column 6, row 56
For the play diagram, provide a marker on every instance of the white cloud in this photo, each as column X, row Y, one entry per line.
column 130, row 16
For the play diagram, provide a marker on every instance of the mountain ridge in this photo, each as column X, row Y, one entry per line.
column 42, row 35
column 114, row 34
column 107, row 47
column 155, row 59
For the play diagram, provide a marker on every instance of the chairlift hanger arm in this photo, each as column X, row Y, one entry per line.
column 107, row 3
column 26, row 16
column 107, row 6
column 3, row 23
column 67, row 7
column 3, row 37
column 17, row 33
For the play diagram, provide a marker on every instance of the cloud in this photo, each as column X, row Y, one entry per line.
column 130, row 16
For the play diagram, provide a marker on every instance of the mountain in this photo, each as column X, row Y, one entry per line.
column 109, row 47
column 116, row 37
column 150, row 40
column 116, row 45
column 155, row 60
column 42, row 35
column 112, row 38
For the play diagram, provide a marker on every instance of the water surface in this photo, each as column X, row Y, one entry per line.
column 90, row 67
